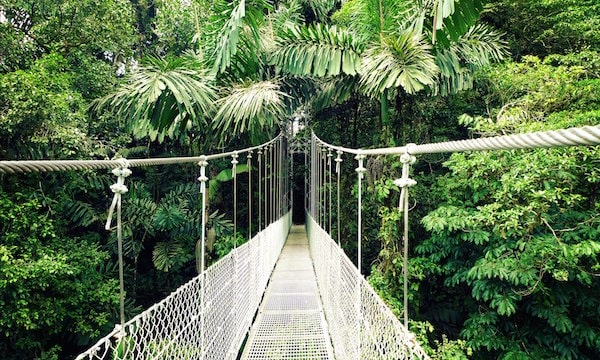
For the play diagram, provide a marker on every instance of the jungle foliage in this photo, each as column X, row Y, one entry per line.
column 504, row 252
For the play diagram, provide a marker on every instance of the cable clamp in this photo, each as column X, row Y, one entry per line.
column 360, row 169
column 202, row 178
column 234, row 162
column 118, row 188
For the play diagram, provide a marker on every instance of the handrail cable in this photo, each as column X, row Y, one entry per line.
column 27, row 166
column 586, row 135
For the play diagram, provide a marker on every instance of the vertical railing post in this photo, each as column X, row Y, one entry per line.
column 267, row 190
column 361, row 171
column 259, row 181
column 338, row 170
column 329, row 187
column 272, row 182
column 290, row 189
column 234, row 162
column 324, row 188
column 404, row 183
column 311, row 201
column 249, row 164
column 119, row 189
column 306, row 178
column 252, row 264
column 203, row 179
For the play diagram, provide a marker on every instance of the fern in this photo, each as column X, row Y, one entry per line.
column 168, row 254
column 80, row 213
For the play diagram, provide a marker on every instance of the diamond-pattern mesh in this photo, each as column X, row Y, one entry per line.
column 361, row 325
column 172, row 328
column 290, row 323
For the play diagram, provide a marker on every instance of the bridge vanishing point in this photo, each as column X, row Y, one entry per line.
column 270, row 298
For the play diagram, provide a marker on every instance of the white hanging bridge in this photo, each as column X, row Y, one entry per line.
column 272, row 299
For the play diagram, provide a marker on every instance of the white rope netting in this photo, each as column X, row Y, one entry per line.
column 361, row 325
column 171, row 328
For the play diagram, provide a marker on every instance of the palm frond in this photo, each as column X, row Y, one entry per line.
column 477, row 48
column 168, row 217
column 320, row 8
column 240, row 15
column 80, row 213
column 481, row 46
column 164, row 96
column 453, row 18
column 404, row 61
column 168, row 254
column 285, row 15
column 300, row 90
column 318, row 50
column 250, row 108
column 334, row 91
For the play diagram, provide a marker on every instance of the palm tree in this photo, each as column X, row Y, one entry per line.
column 164, row 97
column 393, row 45
column 406, row 46
column 226, row 78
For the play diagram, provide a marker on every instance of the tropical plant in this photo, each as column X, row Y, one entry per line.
column 515, row 239
column 164, row 97
column 543, row 28
column 392, row 40
column 51, row 285
column 42, row 115
column 38, row 28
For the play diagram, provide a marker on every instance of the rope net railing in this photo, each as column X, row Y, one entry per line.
column 209, row 316
column 361, row 325
column 172, row 328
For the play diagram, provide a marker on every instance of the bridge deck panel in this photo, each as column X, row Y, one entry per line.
column 290, row 323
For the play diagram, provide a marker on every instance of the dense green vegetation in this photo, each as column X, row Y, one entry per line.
column 504, row 251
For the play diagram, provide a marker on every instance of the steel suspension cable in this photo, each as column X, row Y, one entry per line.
column 586, row 135
column 27, row 166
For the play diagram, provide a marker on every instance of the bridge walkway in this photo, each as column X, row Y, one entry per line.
column 290, row 323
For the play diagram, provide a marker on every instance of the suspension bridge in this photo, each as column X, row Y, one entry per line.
column 270, row 298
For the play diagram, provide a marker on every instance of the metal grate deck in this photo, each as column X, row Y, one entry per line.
column 290, row 323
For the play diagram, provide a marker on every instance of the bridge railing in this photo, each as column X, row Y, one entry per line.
column 361, row 325
column 210, row 316
column 171, row 329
